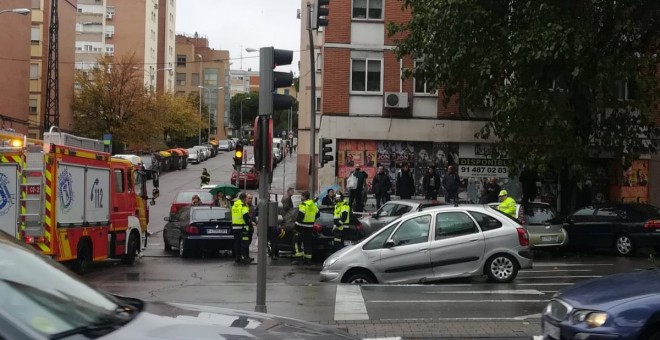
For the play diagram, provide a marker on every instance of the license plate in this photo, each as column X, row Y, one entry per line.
column 551, row 330
column 217, row 231
column 348, row 243
column 548, row 238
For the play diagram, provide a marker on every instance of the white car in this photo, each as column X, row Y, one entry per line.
column 193, row 156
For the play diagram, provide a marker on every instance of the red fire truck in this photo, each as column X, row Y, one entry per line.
column 71, row 200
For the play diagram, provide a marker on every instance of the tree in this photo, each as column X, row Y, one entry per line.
column 180, row 116
column 250, row 109
column 563, row 80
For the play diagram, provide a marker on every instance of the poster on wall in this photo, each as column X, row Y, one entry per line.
column 354, row 153
column 635, row 182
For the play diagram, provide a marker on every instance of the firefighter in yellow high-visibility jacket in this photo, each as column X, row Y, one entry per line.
column 507, row 204
column 341, row 217
column 308, row 212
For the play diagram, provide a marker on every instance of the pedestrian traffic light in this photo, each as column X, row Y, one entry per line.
column 326, row 151
column 270, row 80
column 238, row 156
column 320, row 15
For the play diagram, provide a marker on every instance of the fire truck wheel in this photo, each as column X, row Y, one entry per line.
column 133, row 248
column 84, row 258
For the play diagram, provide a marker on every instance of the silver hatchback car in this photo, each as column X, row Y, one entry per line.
column 434, row 244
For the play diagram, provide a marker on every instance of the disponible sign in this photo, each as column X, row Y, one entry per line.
column 483, row 167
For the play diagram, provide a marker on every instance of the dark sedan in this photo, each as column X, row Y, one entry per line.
column 621, row 306
column 624, row 227
column 195, row 229
column 39, row 299
column 323, row 243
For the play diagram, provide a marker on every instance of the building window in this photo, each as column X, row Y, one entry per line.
column 36, row 4
column 181, row 79
column 626, row 90
column 181, row 60
column 34, row 71
column 194, row 79
column 368, row 9
column 33, row 106
column 366, row 75
column 211, row 77
column 35, row 34
column 420, row 83
column 318, row 104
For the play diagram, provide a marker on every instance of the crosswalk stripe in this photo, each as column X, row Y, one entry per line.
column 349, row 303
column 503, row 291
column 454, row 301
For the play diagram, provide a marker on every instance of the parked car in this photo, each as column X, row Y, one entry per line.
column 202, row 152
column 323, row 242
column 621, row 306
column 40, row 299
column 193, row 156
column 277, row 155
column 392, row 210
column 433, row 244
column 248, row 177
column 151, row 165
column 545, row 227
column 625, row 227
column 196, row 229
column 135, row 159
column 184, row 198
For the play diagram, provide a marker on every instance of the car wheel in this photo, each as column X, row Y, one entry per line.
column 133, row 249
column 624, row 245
column 183, row 252
column 360, row 278
column 84, row 258
column 167, row 246
column 501, row 268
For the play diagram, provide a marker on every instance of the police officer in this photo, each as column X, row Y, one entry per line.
column 308, row 212
column 240, row 221
column 341, row 217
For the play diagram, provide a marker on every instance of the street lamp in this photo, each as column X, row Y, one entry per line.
column 152, row 75
column 249, row 50
column 21, row 11
column 241, row 127
column 200, row 110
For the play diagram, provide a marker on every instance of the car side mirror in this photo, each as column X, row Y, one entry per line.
column 167, row 219
column 155, row 193
column 389, row 244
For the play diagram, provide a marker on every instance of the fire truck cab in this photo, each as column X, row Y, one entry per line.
column 71, row 200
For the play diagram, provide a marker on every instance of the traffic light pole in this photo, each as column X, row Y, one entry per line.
column 312, row 128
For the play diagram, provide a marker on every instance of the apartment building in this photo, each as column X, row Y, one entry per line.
column 166, row 53
column 194, row 57
column 244, row 81
column 107, row 28
column 14, row 67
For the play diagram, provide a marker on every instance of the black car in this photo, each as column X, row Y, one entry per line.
column 323, row 243
column 625, row 227
column 40, row 299
column 150, row 164
column 196, row 229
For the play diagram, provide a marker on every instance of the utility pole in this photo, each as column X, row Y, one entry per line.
column 52, row 116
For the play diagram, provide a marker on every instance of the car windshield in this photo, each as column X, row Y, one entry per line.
column 494, row 208
column 246, row 170
column 224, row 143
column 147, row 161
column 192, row 151
column 186, row 196
column 539, row 215
column 210, row 214
column 44, row 297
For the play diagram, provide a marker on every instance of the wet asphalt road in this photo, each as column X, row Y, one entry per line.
column 296, row 292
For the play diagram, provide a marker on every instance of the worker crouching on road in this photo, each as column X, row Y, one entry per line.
column 341, row 217
column 507, row 204
column 206, row 177
column 241, row 225
column 308, row 212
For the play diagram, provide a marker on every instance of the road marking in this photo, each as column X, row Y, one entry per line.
column 507, row 292
column 561, row 277
column 555, row 271
column 453, row 301
column 390, row 338
column 154, row 244
column 559, row 264
column 537, row 337
column 545, row 284
column 349, row 303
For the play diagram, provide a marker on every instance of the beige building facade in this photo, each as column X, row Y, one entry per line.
column 197, row 65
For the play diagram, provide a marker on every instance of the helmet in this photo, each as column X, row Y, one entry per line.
column 503, row 193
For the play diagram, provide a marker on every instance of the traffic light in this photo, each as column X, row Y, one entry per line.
column 238, row 156
column 326, row 151
column 320, row 15
column 270, row 80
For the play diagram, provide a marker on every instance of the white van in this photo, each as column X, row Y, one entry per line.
column 277, row 143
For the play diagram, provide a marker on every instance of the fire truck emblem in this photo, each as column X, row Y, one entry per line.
column 6, row 201
column 65, row 191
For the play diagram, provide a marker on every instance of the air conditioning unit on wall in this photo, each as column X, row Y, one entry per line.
column 109, row 34
column 397, row 100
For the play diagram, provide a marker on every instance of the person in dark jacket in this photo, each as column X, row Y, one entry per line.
column 329, row 198
column 451, row 182
column 431, row 183
column 493, row 190
column 405, row 183
column 381, row 185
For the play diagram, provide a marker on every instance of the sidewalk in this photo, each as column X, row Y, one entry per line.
column 441, row 329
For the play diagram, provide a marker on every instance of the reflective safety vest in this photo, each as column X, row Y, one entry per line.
column 340, row 207
column 309, row 209
column 237, row 211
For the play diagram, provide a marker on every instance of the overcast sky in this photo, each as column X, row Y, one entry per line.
column 232, row 24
